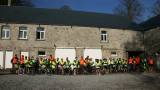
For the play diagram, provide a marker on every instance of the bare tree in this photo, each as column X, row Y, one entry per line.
column 156, row 8
column 17, row 2
column 130, row 8
column 66, row 7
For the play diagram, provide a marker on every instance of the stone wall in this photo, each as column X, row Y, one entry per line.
column 119, row 40
column 152, row 38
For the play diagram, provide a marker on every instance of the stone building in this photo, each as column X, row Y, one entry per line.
column 41, row 32
column 151, row 29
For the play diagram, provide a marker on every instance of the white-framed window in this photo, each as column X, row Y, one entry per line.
column 5, row 32
column 104, row 36
column 40, row 33
column 41, row 53
column 114, row 53
column 23, row 32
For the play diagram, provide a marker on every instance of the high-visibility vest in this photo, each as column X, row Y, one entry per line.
column 119, row 62
column 53, row 65
column 105, row 63
column 58, row 62
column 33, row 62
column 25, row 61
column 137, row 60
column 41, row 62
column 150, row 61
column 130, row 61
column 98, row 64
column 134, row 61
column 62, row 62
column 82, row 62
column 22, row 61
column 15, row 60
column 74, row 64
column 123, row 62
column 111, row 62
column 51, row 59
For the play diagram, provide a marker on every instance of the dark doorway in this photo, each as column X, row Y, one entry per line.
column 134, row 53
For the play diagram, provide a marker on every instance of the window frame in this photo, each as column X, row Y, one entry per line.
column 40, row 30
column 114, row 55
column 23, row 32
column 42, row 51
column 5, row 30
column 104, row 36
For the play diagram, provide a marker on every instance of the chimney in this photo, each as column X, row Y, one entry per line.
column 9, row 2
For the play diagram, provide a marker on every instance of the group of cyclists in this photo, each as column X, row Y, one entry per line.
column 52, row 65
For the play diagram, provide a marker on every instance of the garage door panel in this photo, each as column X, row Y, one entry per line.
column 1, row 59
column 64, row 53
column 93, row 53
column 8, row 57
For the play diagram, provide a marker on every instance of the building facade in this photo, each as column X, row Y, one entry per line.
column 76, row 39
column 151, row 29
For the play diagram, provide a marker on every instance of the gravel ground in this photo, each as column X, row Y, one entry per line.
column 125, row 81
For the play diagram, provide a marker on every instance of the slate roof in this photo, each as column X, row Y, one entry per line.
column 25, row 15
column 150, row 23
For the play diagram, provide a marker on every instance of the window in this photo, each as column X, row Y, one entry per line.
column 41, row 53
column 23, row 32
column 40, row 35
column 103, row 36
column 113, row 53
column 5, row 34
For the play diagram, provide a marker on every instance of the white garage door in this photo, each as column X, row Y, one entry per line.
column 93, row 53
column 26, row 54
column 1, row 59
column 8, row 57
column 63, row 53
